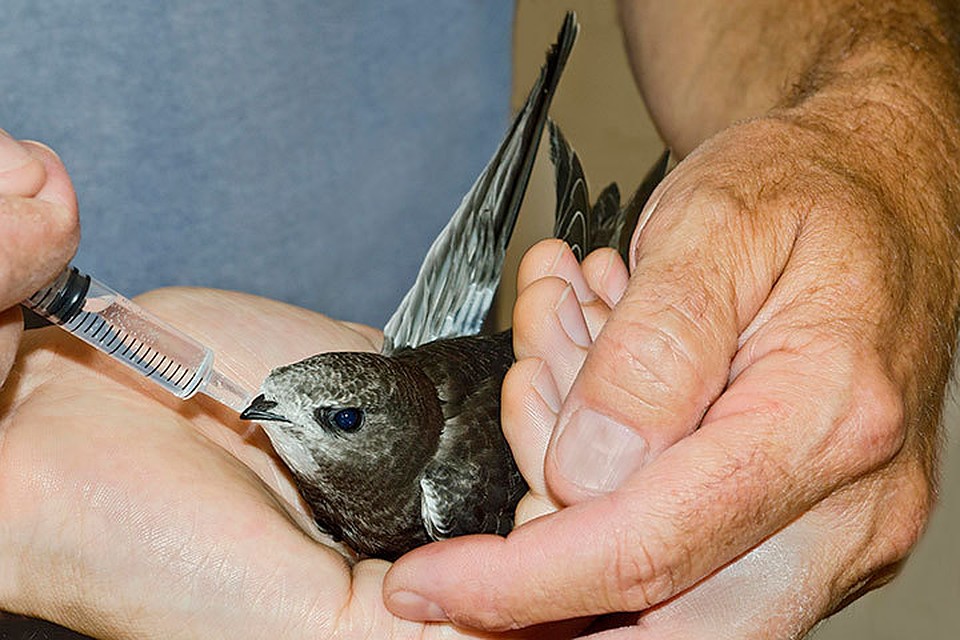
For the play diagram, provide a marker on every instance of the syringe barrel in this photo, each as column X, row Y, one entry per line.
column 103, row 318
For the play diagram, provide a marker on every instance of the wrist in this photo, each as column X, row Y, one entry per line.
column 898, row 131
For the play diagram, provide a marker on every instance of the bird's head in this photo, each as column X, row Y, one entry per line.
column 346, row 412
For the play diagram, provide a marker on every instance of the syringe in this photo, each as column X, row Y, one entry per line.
column 111, row 323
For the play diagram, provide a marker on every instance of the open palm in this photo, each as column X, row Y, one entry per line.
column 128, row 514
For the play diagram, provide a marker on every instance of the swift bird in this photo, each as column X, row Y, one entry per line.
column 397, row 449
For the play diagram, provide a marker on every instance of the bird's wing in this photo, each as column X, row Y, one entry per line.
column 467, row 485
column 581, row 226
column 471, row 484
column 458, row 277
column 605, row 224
column 572, row 220
column 444, row 495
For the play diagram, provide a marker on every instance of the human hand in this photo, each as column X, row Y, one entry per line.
column 750, row 440
column 39, row 227
column 124, row 513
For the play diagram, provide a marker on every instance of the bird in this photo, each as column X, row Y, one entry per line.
column 396, row 449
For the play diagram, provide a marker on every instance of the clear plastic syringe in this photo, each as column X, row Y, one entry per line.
column 111, row 323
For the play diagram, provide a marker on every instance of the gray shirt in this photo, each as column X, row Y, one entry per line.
column 303, row 150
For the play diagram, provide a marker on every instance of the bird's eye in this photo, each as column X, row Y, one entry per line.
column 346, row 419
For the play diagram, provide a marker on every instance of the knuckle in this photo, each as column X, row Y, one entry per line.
column 68, row 227
column 874, row 428
column 654, row 365
column 538, row 260
column 635, row 579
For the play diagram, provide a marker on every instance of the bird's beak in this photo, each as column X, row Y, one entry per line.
column 259, row 410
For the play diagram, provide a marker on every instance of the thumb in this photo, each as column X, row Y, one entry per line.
column 39, row 226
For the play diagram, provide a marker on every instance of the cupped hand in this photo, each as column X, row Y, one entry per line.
column 749, row 441
column 39, row 231
column 125, row 514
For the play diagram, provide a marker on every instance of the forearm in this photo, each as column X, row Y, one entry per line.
column 704, row 64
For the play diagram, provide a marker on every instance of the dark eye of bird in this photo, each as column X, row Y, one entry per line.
column 346, row 419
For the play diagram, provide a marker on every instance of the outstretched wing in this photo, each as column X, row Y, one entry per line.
column 458, row 277
column 572, row 219
column 581, row 226
column 605, row 224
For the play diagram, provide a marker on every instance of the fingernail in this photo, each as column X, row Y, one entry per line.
column 561, row 249
column 413, row 606
column 645, row 216
column 543, row 383
column 598, row 453
column 571, row 318
column 614, row 281
column 580, row 287
column 12, row 154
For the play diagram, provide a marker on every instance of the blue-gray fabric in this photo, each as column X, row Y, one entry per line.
column 304, row 150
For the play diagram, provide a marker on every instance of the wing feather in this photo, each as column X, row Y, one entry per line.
column 454, row 289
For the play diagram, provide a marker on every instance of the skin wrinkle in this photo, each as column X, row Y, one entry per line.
column 866, row 556
column 633, row 569
column 625, row 357
column 894, row 330
column 756, row 456
column 729, row 471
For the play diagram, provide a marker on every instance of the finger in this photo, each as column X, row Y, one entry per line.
column 552, row 257
column 664, row 354
column 549, row 325
column 40, row 233
column 606, row 274
column 57, row 189
column 762, row 458
column 11, row 327
column 530, row 402
column 21, row 172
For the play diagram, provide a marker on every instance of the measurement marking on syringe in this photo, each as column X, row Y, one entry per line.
column 96, row 332
column 113, row 338
column 89, row 317
column 148, row 365
column 133, row 356
column 194, row 384
column 136, row 354
column 121, row 348
column 163, row 374
column 117, row 347
column 176, row 369
column 180, row 379
column 125, row 352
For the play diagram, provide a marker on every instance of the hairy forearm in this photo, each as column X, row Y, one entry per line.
column 704, row 64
